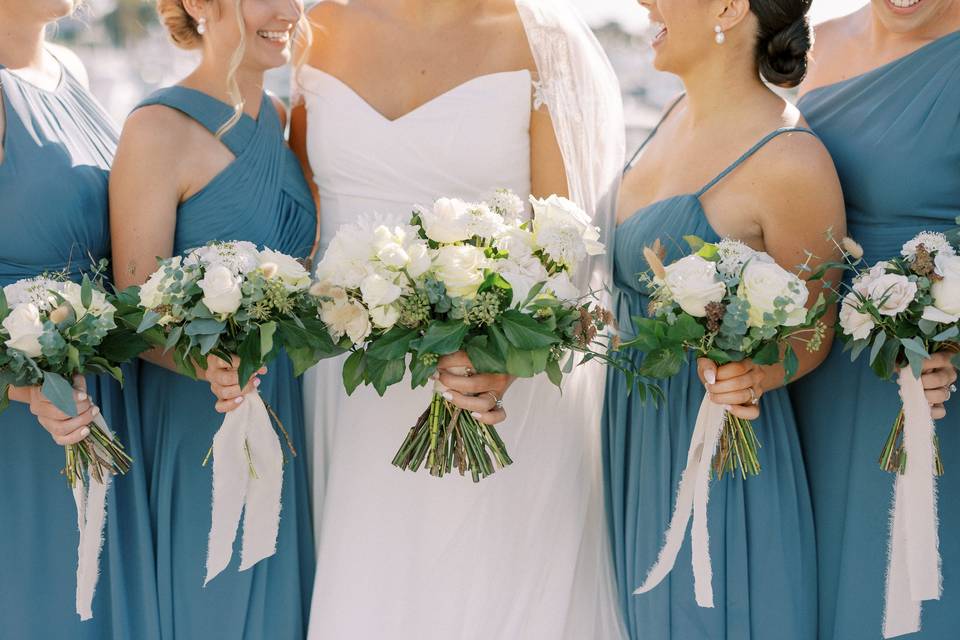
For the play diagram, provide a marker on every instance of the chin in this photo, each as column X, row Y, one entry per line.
column 903, row 16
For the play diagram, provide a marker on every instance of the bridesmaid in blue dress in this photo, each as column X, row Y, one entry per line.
column 699, row 175
column 192, row 168
column 57, row 146
column 884, row 97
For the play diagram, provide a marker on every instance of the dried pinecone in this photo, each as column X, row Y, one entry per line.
column 715, row 314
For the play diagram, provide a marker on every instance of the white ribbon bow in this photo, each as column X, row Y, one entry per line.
column 91, row 501
column 693, row 497
column 246, row 431
column 913, row 569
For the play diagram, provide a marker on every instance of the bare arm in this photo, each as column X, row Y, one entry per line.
column 547, row 173
column 298, row 143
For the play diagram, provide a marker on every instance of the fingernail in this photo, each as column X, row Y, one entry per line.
column 85, row 432
column 727, row 407
column 475, row 415
column 256, row 382
column 81, row 396
column 711, row 376
column 435, row 376
column 238, row 400
column 447, row 395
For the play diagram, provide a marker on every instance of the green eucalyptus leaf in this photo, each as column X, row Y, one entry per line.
column 878, row 342
column 60, row 392
column 554, row 373
column 267, row 331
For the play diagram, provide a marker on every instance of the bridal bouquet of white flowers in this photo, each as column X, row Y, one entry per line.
column 728, row 303
column 460, row 276
column 54, row 329
column 229, row 299
column 903, row 309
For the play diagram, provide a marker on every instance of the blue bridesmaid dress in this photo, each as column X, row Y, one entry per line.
column 894, row 134
column 261, row 197
column 761, row 529
column 58, row 147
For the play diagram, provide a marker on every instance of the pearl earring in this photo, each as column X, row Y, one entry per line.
column 721, row 37
column 202, row 26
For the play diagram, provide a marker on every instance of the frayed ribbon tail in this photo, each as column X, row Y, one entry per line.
column 247, row 479
column 91, row 501
column 693, row 497
column 913, row 569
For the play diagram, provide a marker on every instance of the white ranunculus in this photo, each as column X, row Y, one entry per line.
column 99, row 307
column 762, row 283
column 385, row 317
column 854, row 323
column 346, row 261
column 892, row 293
column 563, row 288
column 448, row 221
column 694, row 283
column 420, row 260
column 564, row 231
column 393, row 255
column 289, row 270
column 933, row 242
column 516, row 242
column 523, row 275
column 378, row 290
column 460, row 269
column 24, row 327
column 221, row 289
column 946, row 291
column 346, row 318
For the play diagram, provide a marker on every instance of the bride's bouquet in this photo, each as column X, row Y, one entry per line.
column 902, row 310
column 728, row 303
column 54, row 329
column 230, row 299
column 460, row 276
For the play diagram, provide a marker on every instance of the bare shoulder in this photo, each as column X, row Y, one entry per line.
column 71, row 61
column 831, row 40
column 157, row 133
column 504, row 26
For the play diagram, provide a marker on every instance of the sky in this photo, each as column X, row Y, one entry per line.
column 632, row 16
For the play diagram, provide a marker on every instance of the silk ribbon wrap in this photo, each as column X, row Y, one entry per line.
column 91, row 501
column 248, row 479
column 913, row 569
column 692, row 498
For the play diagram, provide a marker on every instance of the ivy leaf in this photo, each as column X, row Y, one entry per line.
column 554, row 373
column 443, row 338
column 662, row 363
column 485, row 359
column 420, row 373
column 769, row 354
column 685, row 329
column 524, row 332
column 354, row 370
column 394, row 344
column 383, row 374
column 791, row 364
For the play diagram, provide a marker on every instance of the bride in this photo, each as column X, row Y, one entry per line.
column 396, row 104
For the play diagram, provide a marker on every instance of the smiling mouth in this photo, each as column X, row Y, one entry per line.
column 277, row 37
column 904, row 4
column 661, row 32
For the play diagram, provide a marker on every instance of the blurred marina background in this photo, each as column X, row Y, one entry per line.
column 128, row 54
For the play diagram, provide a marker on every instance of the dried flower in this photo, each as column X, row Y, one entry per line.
column 852, row 248
column 656, row 264
column 715, row 314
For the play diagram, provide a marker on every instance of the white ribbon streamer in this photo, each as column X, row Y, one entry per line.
column 692, row 498
column 913, row 570
column 91, row 501
column 236, row 491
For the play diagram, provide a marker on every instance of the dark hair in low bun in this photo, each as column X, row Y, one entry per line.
column 784, row 40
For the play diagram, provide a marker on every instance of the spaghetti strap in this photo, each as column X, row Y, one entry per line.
column 767, row 138
column 209, row 112
column 653, row 132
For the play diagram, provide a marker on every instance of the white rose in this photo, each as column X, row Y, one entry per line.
column 693, row 283
column 891, row 292
column 563, row 288
column 99, row 307
column 420, row 261
column 516, row 242
column 762, row 283
column 151, row 295
column 378, row 290
column 460, row 268
column 946, row 292
column 393, row 256
column 289, row 270
column 854, row 323
column 24, row 327
column 221, row 289
column 385, row 317
column 522, row 275
column 346, row 318
column 448, row 221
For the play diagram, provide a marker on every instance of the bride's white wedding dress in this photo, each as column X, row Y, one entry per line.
column 522, row 554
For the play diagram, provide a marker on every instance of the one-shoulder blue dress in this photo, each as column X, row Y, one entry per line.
column 894, row 134
column 261, row 197
column 761, row 528
column 58, row 147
